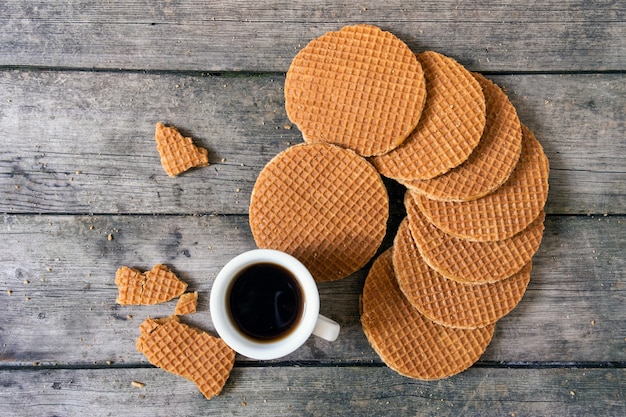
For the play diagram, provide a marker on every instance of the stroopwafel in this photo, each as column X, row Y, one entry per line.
column 188, row 352
column 506, row 211
column 449, row 129
column 157, row 285
column 325, row 205
column 178, row 153
column 472, row 262
column 493, row 160
column 360, row 87
column 447, row 302
column 408, row 342
column 187, row 303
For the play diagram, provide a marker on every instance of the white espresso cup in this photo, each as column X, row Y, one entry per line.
column 265, row 304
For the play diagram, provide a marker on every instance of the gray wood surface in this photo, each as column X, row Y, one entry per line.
column 516, row 36
column 325, row 391
column 82, row 192
column 85, row 143
column 573, row 308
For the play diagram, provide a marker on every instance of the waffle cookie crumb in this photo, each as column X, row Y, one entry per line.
column 137, row 384
column 187, row 303
column 178, row 153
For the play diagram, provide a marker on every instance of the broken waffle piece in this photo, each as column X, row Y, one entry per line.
column 129, row 283
column 157, row 285
column 187, row 303
column 188, row 352
column 178, row 153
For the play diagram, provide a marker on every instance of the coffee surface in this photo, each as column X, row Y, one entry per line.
column 265, row 301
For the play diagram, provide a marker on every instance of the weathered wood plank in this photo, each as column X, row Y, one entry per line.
column 83, row 142
column 77, row 141
column 60, row 271
column 264, row 36
column 295, row 391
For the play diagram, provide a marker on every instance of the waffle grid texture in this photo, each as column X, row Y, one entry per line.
column 449, row 129
column 493, row 160
column 188, row 352
column 506, row 211
column 408, row 342
column 472, row 262
column 323, row 204
column 178, row 153
column 360, row 88
column 187, row 304
column 447, row 302
column 157, row 285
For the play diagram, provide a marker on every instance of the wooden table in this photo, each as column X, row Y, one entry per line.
column 82, row 84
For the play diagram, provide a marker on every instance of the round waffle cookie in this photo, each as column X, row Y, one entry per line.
column 493, row 160
column 408, row 342
column 451, row 125
column 503, row 213
column 472, row 262
column 360, row 88
column 323, row 204
column 447, row 302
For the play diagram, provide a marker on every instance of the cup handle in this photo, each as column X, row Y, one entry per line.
column 326, row 328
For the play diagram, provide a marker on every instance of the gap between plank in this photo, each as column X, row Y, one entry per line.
column 240, row 74
column 315, row 364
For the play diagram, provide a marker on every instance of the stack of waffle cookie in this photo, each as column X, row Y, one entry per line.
column 476, row 180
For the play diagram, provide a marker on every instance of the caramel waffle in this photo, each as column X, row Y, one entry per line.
column 360, row 88
column 472, row 262
column 449, row 129
column 178, row 153
column 408, row 342
column 187, row 303
column 447, row 302
column 506, row 211
column 323, row 204
column 188, row 352
column 493, row 160
column 157, row 285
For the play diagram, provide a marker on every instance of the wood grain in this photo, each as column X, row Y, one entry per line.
column 82, row 192
column 83, row 142
column 177, row 35
column 60, row 271
column 305, row 391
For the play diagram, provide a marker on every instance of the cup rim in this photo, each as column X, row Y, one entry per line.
column 244, row 345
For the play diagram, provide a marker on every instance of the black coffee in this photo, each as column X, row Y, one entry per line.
column 265, row 301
